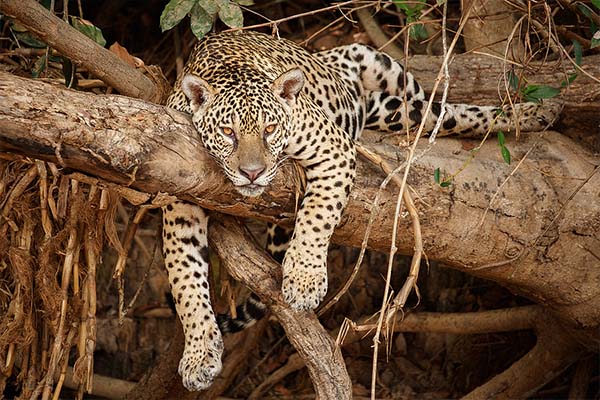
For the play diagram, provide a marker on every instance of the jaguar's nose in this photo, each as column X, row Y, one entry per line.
column 252, row 172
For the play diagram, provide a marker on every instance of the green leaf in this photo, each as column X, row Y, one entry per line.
column 536, row 92
column 200, row 21
column 210, row 6
column 513, row 80
column 445, row 184
column 567, row 81
column 418, row 32
column 245, row 2
column 585, row 10
column 231, row 14
column 22, row 34
column 174, row 12
column 505, row 154
column 88, row 29
column 401, row 5
column 578, row 51
column 410, row 7
column 436, row 175
column 501, row 138
column 596, row 3
column 595, row 39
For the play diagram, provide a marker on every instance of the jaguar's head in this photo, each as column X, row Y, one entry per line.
column 245, row 124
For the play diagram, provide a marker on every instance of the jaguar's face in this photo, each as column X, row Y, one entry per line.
column 245, row 128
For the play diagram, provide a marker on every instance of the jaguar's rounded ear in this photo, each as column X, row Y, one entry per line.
column 288, row 85
column 197, row 90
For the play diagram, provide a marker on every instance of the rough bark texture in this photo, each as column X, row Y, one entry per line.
column 262, row 275
column 83, row 51
column 536, row 233
column 478, row 79
column 489, row 26
column 539, row 236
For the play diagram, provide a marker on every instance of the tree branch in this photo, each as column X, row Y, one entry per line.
column 83, row 51
column 535, row 237
column 549, row 357
column 262, row 275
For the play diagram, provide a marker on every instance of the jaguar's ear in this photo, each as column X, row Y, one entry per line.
column 197, row 90
column 288, row 85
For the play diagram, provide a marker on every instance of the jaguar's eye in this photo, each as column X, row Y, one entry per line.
column 227, row 131
column 270, row 129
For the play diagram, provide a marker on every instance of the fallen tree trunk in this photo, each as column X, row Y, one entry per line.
column 536, row 233
column 533, row 228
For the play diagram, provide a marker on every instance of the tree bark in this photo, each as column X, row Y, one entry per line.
column 262, row 275
column 489, row 28
column 104, row 64
column 537, row 234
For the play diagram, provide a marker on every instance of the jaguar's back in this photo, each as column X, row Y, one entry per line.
column 246, row 61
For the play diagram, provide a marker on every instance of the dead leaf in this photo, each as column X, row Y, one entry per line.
column 124, row 55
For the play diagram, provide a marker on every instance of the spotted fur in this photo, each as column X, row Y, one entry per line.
column 256, row 101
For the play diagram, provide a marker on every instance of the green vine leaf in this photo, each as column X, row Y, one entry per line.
column 534, row 93
column 174, row 12
column 231, row 14
column 88, row 29
column 578, row 50
column 513, row 80
column 501, row 138
column 200, row 21
column 505, row 154
column 210, row 6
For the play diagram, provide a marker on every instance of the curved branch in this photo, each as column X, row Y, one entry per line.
column 82, row 50
column 551, row 355
column 111, row 139
column 316, row 348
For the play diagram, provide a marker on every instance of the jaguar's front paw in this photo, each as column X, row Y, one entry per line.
column 304, row 286
column 200, row 365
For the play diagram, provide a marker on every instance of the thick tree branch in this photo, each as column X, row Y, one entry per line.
column 262, row 275
column 82, row 51
column 549, row 357
column 536, row 233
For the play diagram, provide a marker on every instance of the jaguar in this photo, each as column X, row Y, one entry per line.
column 256, row 101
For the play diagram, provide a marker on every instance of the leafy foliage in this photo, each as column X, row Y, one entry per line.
column 443, row 183
column 503, row 149
column 532, row 93
column 203, row 14
column 88, row 29
column 25, row 37
column 412, row 9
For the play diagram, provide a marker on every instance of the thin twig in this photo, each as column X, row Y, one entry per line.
column 411, row 153
column 66, row 277
column 276, row 22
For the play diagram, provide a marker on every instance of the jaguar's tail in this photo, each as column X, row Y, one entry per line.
column 247, row 314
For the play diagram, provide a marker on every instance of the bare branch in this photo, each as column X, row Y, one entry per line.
column 317, row 349
column 82, row 50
